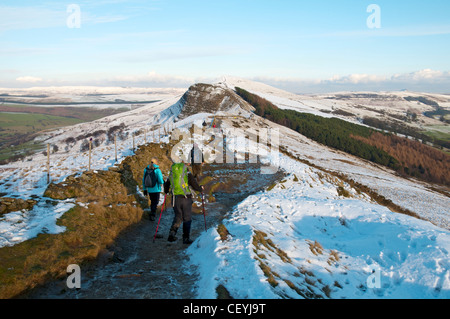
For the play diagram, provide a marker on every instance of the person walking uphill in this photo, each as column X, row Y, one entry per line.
column 152, row 183
column 180, row 182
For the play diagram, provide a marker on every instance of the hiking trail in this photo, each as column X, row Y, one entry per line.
column 135, row 267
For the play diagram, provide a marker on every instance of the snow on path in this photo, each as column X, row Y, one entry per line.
column 380, row 254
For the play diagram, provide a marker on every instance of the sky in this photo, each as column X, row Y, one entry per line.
column 300, row 46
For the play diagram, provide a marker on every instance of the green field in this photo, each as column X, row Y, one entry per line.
column 84, row 113
column 441, row 132
column 18, row 129
column 19, row 125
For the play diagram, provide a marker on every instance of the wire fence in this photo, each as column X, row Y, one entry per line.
column 122, row 147
column 30, row 177
column 102, row 153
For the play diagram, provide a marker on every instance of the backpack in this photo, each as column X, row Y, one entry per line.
column 150, row 178
column 179, row 179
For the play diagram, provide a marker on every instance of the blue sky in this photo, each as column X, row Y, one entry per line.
column 302, row 46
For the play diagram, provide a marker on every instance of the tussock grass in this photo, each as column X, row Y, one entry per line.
column 223, row 232
column 88, row 231
column 114, row 205
column 260, row 239
column 334, row 257
column 343, row 192
column 315, row 247
column 303, row 282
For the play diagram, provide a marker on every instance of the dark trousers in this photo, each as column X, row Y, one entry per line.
column 183, row 214
column 154, row 199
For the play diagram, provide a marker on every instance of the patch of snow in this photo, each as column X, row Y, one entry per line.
column 19, row 226
column 381, row 254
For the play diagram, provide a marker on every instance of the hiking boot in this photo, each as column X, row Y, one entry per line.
column 172, row 236
column 187, row 241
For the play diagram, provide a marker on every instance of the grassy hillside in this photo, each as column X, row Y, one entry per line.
column 18, row 129
column 79, row 112
column 107, row 203
column 19, row 125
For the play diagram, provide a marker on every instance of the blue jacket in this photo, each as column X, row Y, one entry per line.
column 159, row 180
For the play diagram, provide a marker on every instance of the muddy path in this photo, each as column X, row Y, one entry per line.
column 135, row 267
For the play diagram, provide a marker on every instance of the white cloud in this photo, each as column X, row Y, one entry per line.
column 149, row 80
column 28, row 79
column 355, row 79
column 422, row 75
column 426, row 80
column 38, row 17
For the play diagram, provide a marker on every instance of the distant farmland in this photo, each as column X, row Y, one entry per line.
column 82, row 113
column 19, row 125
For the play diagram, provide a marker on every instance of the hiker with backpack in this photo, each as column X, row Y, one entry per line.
column 182, row 184
column 197, row 160
column 152, row 183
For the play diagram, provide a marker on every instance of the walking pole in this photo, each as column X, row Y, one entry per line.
column 162, row 209
column 204, row 214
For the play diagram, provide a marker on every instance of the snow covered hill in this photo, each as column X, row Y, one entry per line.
column 305, row 239
column 311, row 236
column 393, row 107
column 88, row 95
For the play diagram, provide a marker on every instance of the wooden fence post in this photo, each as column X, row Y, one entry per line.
column 90, row 149
column 48, row 163
column 115, row 145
